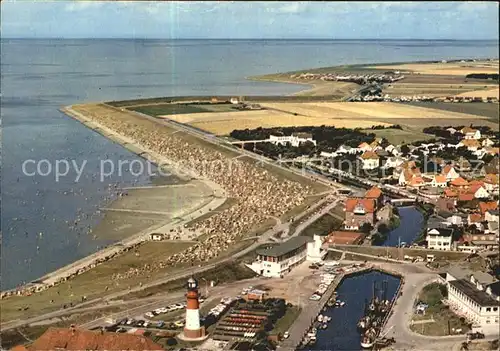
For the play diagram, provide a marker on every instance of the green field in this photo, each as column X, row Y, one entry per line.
column 179, row 109
column 398, row 136
column 93, row 283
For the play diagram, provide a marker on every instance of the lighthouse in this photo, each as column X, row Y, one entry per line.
column 192, row 329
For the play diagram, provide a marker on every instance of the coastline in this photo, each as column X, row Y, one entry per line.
column 122, row 246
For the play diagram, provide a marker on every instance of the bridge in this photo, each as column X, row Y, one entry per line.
column 404, row 201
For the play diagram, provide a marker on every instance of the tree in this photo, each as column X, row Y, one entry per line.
column 366, row 228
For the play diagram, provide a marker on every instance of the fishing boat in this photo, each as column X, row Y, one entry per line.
column 367, row 342
column 327, row 318
column 330, row 303
column 324, row 326
column 312, row 340
column 320, row 318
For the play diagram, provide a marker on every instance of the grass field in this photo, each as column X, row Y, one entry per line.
column 322, row 226
column 398, row 136
column 93, row 283
column 443, row 317
column 176, row 108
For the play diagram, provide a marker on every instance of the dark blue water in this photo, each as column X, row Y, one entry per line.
column 411, row 223
column 40, row 76
column 342, row 331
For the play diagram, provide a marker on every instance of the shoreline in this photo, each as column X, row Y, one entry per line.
column 82, row 265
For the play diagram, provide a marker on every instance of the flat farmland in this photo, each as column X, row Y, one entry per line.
column 338, row 114
column 452, row 68
column 430, row 89
column 480, row 109
column 225, row 123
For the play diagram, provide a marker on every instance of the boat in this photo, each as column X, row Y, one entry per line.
column 320, row 318
column 312, row 340
column 324, row 326
column 330, row 303
column 367, row 342
column 327, row 318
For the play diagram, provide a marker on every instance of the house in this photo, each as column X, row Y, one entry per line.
column 439, row 238
column 459, row 183
column 463, row 165
column 476, row 219
column 479, row 191
column 493, row 167
column 451, row 130
column 471, row 133
column 486, row 206
column 474, row 295
column 375, row 194
column 393, row 162
column 491, row 183
column 364, row 147
column 439, row 181
column 492, row 229
column 370, row 160
column 487, row 142
column 417, row 182
column 407, row 175
column 446, row 204
column 78, row 339
column 359, row 211
column 295, row 139
column 491, row 216
column 345, row 149
column 451, row 218
column 156, row 237
column 470, row 144
column 449, row 172
column 490, row 150
column 374, row 146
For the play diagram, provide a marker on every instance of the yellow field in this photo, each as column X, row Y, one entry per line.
column 224, row 123
column 482, row 93
column 454, row 69
column 338, row 114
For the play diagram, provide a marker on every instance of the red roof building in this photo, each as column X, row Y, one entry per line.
column 78, row 339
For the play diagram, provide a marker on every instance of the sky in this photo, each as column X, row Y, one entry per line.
column 245, row 20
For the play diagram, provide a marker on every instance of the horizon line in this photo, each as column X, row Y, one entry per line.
column 339, row 39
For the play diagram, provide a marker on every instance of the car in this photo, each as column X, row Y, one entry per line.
column 286, row 335
column 315, row 297
column 130, row 321
column 149, row 315
column 145, row 324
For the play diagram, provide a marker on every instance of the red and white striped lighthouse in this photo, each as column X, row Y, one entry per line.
column 192, row 329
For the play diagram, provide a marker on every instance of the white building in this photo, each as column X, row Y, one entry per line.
column 475, row 296
column 370, row 160
column 439, row 239
column 471, row 133
column 278, row 260
column 294, row 139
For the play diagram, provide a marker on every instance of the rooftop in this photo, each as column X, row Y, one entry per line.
column 78, row 339
column 464, row 273
column 285, row 247
column 479, row 296
column 343, row 237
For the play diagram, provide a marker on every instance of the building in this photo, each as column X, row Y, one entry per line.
column 193, row 329
column 449, row 172
column 370, row 160
column 439, row 239
column 280, row 259
column 470, row 144
column 344, row 238
column 471, row 133
column 295, row 139
column 375, row 194
column 359, row 211
column 475, row 295
column 79, row 339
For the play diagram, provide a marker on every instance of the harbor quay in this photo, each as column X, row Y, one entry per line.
column 311, row 310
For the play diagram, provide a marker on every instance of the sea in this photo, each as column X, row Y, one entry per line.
column 43, row 218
